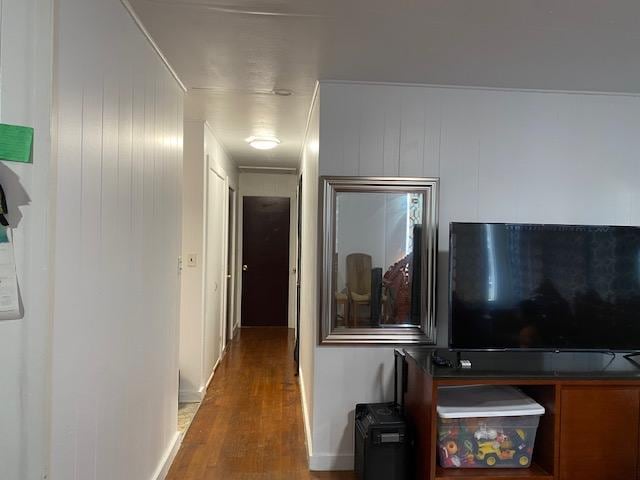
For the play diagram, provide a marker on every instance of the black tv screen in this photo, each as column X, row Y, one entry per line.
column 548, row 287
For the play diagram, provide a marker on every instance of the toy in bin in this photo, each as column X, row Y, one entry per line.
column 486, row 426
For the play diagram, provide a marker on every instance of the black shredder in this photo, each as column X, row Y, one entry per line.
column 382, row 442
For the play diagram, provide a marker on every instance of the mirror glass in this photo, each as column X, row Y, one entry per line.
column 377, row 264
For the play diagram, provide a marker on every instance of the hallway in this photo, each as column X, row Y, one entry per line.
column 249, row 426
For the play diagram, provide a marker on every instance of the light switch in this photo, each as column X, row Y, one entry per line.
column 192, row 259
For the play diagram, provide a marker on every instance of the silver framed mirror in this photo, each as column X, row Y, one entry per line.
column 378, row 260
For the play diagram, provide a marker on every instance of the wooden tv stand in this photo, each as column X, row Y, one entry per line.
column 591, row 428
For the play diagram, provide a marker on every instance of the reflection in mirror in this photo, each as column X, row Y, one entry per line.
column 377, row 261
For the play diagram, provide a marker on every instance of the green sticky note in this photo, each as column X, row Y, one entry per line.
column 15, row 143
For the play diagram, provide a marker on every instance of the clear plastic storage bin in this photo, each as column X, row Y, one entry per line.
column 486, row 426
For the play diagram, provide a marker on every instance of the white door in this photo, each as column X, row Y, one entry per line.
column 214, row 272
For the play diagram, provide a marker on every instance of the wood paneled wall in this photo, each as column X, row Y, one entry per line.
column 26, row 49
column 501, row 155
column 118, row 230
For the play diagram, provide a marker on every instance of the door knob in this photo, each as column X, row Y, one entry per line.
column 245, row 268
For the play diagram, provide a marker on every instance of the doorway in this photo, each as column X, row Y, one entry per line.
column 296, row 349
column 214, row 271
column 231, row 254
column 265, row 261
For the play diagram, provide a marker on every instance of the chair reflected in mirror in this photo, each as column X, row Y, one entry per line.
column 342, row 308
column 359, row 289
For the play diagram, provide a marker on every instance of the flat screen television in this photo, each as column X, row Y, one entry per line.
column 544, row 287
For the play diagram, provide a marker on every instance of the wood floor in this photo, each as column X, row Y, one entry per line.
column 249, row 426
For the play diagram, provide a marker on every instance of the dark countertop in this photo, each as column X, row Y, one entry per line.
column 529, row 365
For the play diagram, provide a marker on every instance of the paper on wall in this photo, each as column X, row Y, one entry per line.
column 16, row 143
column 9, row 301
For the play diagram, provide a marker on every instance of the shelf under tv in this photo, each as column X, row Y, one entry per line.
column 591, row 405
column 534, row 472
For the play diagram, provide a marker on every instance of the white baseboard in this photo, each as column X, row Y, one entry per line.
column 168, row 457
column 191, row 396
column 331, row 462
column 305, row 416
column 320, row 462
column 213, row 372
column 196, row 396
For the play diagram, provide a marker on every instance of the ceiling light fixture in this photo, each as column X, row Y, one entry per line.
column 263, row 143
column 282, row 92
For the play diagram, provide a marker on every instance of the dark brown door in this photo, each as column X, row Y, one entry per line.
column 599, row 433
column 265, row 262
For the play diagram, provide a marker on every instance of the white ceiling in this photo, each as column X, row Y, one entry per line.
column 232, row 55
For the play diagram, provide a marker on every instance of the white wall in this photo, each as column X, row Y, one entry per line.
column 192, row 278
column 118, row 231
column 219, row 160
column 199, row 144
column 309, row 267
column 271, row 185
column 25, row 99
column 501, row 155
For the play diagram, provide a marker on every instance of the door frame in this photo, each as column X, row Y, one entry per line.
column 230, row 283
column 296, row 349
column 228, row 302
column 222, row 279
column 267, row 189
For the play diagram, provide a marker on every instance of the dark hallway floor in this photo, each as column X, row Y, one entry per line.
column 249, row 426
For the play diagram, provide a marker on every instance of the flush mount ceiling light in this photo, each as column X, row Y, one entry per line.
column 282, row 92
column 263, row 143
